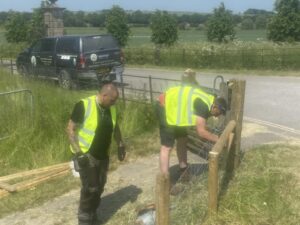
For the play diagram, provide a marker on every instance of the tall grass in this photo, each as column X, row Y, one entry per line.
column 42, row 139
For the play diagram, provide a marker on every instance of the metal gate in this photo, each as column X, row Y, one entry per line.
column 16, row 111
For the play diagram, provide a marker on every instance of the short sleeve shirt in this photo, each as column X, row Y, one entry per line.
column 103, row 134
column 201, row 109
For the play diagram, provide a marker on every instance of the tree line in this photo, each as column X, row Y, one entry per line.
column 250, row 19
column 282, row 25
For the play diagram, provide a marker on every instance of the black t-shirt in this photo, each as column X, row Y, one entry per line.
column 201, row 108
column 103, row 134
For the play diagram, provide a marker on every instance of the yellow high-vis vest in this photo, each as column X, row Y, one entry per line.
column 86, row 133
column 179, row 104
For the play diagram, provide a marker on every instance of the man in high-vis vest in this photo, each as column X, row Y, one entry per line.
column 90, row 129
column 182, row 107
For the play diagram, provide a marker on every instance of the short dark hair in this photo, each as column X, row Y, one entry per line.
column 221, row 103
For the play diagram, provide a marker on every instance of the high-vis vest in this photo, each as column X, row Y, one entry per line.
column 86, row 133
column 179, row 104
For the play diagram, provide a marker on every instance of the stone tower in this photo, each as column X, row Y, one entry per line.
column 53, row 19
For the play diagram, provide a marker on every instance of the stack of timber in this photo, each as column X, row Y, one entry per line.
column 31, row 178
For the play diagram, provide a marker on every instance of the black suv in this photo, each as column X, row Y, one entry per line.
column 73, row 60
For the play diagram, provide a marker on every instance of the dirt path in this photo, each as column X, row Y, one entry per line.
column 130, row 185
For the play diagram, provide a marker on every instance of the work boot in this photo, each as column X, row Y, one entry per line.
column 184, row 176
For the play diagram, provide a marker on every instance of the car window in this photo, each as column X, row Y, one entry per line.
column 47, row 45
column 68, row 46
column 37, row 46
column 98, row 43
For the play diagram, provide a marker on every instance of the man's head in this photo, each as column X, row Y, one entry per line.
column 108, row 95
column 219, row 107
column 189, row 77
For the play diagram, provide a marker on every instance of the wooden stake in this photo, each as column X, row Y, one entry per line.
column 7, row 187
column 213, row 182
column 162, row 199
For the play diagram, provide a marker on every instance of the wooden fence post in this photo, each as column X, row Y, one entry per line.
column 122, row 88
column 237, row 111
column 162, row 199
column 150, row 89
column 213, row 183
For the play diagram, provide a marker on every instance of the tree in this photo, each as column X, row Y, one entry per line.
column 220, row 26
column 164, row 29
column 36, row 27
column 247, row 24
column 285, row 24
column 16, row 28
column 116, row 24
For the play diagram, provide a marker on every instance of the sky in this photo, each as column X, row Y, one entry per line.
column 203, row 6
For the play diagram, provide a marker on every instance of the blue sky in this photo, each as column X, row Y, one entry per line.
column 169, row 5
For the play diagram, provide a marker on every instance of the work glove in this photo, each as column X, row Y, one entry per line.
column 121, row 152
column 81, row 161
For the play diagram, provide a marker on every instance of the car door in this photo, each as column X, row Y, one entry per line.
column 35, row 57
column 45, row 59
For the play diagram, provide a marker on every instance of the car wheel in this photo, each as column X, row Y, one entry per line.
column 66, row 81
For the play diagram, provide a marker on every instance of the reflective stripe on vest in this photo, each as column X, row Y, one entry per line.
column 180, row 104
column 86, row 133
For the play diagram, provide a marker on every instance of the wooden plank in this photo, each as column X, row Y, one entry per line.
column 3, row 193
column 219, row 146
column 34, row 172
column 230, row 140
column 7, row 187
column 35, row 181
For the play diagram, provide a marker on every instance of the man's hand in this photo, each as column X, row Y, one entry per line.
column 121, row 152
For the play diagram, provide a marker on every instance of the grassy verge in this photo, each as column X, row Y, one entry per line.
column 39, row 139
column 265, row 190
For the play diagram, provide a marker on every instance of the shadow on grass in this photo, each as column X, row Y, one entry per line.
column 111, row 203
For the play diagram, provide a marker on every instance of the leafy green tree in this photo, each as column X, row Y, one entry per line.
column 261, row 22
column 116, row 24
column 16, row 28
column 36, row 27
column 220, row 26
column 164, row 29
column 285, row 24
column 247, row 24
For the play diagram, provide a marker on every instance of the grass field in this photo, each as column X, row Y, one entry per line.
column 141, row 35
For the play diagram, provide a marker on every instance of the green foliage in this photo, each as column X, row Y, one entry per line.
column 261, row 22
column 164, row 29
column 220, row 26
column 116, row 24
column 20, row 28
column 234, row 55
column 36, row 27
column 285, row 25
column 16, row 28
column 247, row 24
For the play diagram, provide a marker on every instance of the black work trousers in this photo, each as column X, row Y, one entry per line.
column 93, row 178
